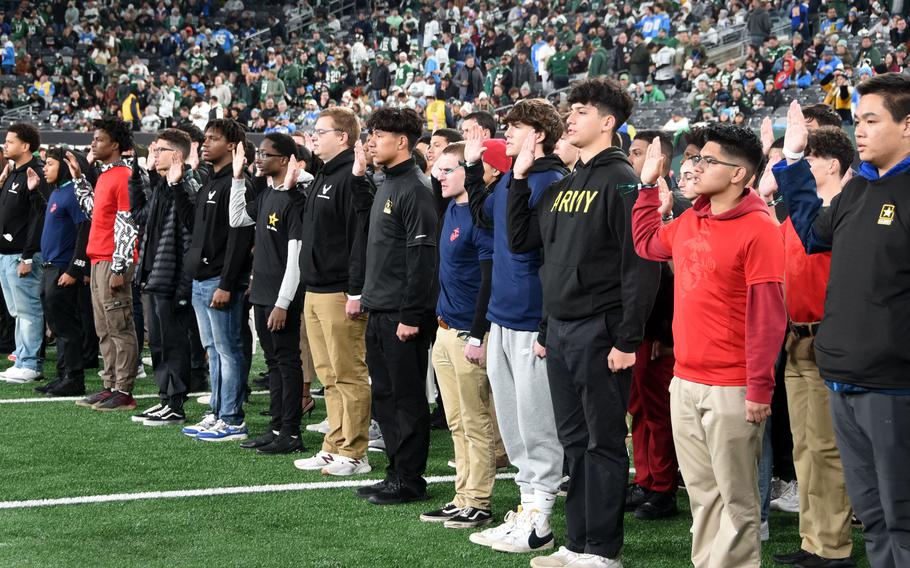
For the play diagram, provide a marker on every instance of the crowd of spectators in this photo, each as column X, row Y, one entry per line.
column 163, row 63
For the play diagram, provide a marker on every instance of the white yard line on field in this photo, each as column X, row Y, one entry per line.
column 179, row 494
column 75, row 398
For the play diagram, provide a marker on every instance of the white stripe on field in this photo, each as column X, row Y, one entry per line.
column 178, row 494
column 74, row 398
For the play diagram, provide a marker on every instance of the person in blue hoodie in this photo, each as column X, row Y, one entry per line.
column 521, row 392
column 860, row 346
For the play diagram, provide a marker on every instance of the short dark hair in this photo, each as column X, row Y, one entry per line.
column 178, row 138
column 118, row 130
column 893, row 88
column 542, row 116
column 823, row 114
column 450, row 134
column 192, row 131
column 283, row 143
column 404, row 121
column 666, row 144
column 28, row 134
column 605, row 94
column 229, row 128
column 483, row 119
column 831, row 142
column 737, row 141
column 695, row 137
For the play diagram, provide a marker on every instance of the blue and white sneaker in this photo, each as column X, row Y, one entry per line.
column 222, row 432
column 207, row 422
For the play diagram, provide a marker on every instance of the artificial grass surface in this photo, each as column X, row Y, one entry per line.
column 56, row 449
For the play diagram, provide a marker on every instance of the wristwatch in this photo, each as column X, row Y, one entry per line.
column 475, row 342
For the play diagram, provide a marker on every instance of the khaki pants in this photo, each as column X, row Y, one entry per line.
column 824, row 509
column 339, row 354
column 718, row 453
column 465, row 393
column 306, row 355
column 114, row 324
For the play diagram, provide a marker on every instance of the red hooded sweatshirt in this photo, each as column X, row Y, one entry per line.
column 730, row 319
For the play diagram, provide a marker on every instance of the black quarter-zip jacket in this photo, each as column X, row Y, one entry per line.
column 584, row 223
column 334, row 231
column 216, row 249
column 22, row 211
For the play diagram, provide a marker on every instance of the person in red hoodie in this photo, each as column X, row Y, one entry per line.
column 728, row 325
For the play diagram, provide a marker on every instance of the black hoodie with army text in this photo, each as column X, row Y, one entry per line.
column 584, row 223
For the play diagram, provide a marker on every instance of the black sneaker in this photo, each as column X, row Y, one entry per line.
column 44, row 388
column 68, row 387
column 658, row 506
column 167, row 416
column 816, row 561
column 441, row 515
column 396, row 494
column 318, row 393
column 262, row 382
column 92, row 400
column 368, row 491
column 262, row 440
column 118, row 400
column 283, row 444
column 636, row 496
column 147, row 412
column 469, row 518
column 792, row 557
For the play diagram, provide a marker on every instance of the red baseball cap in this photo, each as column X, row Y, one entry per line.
column 495, row 154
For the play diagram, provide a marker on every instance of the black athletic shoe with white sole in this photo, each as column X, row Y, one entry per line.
column 165, row 417
column 469, row 518
column 283, row 444
column 147, row 413
column 441, row 515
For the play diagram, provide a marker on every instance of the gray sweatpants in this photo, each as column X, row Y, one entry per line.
column 524, row 409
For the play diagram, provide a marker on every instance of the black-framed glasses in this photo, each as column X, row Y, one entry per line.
column 321, row 131
column 709, row 161
column 263, row 155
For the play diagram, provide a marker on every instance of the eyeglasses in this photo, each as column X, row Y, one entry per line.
column 709, row 161
column 157, row 151
column 450, row 171
column 263, row 155
column 321, row 131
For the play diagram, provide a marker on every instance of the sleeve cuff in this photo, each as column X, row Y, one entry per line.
column 353, row 297
column 282, row 303
column 758, row 393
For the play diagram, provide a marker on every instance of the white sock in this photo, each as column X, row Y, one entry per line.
column 543, row 502
column 527, row 501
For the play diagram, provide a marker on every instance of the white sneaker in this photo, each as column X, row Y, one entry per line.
column 377, row 442
column 765, row 531
column 315, row 463
column 140, row 372
column 343, row 466
column 322, row 427
column 492, row 535
column 788, row 502
column 147, row 361
column 207, row 423
column 558, row 559
column 531, row 534
column 205, row 399
column 20, row 375
column 594, row 561
column 451, row 463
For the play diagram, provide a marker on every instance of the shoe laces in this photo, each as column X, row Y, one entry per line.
column 217, row 426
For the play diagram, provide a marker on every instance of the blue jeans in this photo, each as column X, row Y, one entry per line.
column 219, row 331
column 23, row 301
column 765, row 470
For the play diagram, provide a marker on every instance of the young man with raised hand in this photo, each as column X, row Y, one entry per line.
column 274, row 294
column 332, row 257
column 518, row 378
column 218, row 261
column 728, row 325
column 860, row 347
column 21, row 221
column 459, row 357
column 398, row 294
column 112, row 252
column 824, row 517
column 597, row 295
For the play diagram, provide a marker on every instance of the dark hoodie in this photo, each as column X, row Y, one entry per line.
column 584, row 224
column 22, row 211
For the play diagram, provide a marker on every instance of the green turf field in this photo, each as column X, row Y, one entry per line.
column 55, row 449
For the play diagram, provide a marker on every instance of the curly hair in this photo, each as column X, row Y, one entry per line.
column 604, row 94
column 737, row 141
column 831, row 142
column 823, row 114
column 540, row 115
column 28, row 134
column 232, row 131
column 404, row 121
column 118, row 130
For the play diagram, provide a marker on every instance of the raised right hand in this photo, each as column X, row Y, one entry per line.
column 474, row 148
column 359, row 169
column 238, row 161
column 797, row 135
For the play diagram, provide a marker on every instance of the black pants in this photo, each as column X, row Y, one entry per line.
column 167, row 325
column 246, row 336
column 590, row 405
column 90, row 347
column 398, row 371
column 61, row 311
column 282, row 356
column 872, row 435
column 139, row 319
